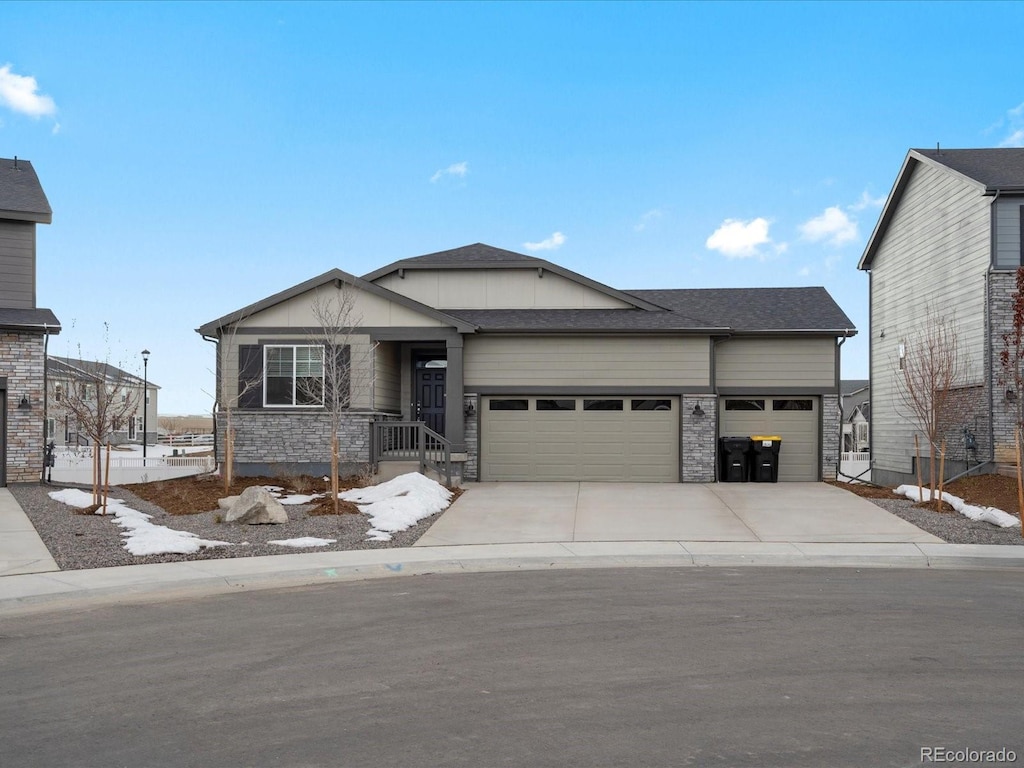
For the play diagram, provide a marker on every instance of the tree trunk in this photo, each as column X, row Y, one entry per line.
column 334, row 474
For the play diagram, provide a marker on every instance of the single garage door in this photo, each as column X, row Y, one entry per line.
column 794, row 419
column 580, row 438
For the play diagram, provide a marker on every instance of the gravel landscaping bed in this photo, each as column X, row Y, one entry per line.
column 80, row 541
column 951, row 527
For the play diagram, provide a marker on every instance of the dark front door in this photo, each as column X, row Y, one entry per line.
column 430, row 398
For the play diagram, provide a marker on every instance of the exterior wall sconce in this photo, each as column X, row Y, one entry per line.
column 469, row 407
column 24, row 405
column 698, row 411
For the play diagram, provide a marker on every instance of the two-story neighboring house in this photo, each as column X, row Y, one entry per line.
column 73, row 391
column 24, row 327
column 948, row 241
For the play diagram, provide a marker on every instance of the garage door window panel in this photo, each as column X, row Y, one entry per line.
column 744, row 405
column 602, row 405
column 509, row 405
column 556, row 405
column 792, row 405
column 651, row 405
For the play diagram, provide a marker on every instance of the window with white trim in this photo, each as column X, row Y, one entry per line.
column 293, row 375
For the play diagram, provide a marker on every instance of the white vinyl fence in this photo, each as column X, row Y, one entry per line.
column 855, row 465
column 77, row 468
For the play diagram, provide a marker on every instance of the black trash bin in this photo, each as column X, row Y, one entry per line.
column 733, row 453
column 764, row 458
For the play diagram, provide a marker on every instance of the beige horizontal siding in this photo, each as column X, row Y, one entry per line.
column 17, row 265
column 368, row 311
column 581, row 361
column 497, row 289
column 935, row 252
column 768, row 363
column 387, row 385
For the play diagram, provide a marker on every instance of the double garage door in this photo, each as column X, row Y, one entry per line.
column 580, row 438
column 794, row 419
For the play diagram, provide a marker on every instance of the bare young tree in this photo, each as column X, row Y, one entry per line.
column 1011, row 361
column 929, row 366
column 346, row 367
column 100, row 398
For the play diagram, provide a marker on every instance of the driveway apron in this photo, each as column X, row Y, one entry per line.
column 500, row 513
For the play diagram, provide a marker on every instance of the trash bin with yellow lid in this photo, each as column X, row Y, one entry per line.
column 764, row 458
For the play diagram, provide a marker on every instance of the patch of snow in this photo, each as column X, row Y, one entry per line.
column 985, row 514
column 400, row 503
column 141, row 537
column 300, row 498
column 305, row 541
column 374, row 535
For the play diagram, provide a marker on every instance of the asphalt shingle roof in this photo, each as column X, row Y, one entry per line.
column 579, row 320
column 470, row 255
column 755, row 309
column 29, row 319
column 21, row 193
column 995, row 168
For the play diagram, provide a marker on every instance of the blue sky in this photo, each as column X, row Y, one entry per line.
column 199, row 157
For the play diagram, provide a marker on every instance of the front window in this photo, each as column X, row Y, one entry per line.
column 294, row 375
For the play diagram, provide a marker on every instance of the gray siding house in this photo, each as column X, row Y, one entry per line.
column 24, row 327
column 534, row 372
column 66, row 374
column 949, row 237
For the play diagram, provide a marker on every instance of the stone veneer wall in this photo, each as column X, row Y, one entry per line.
column 471, row 471
column 698, row 447
column 21, row 361
column 1004, row 411
column 831, row 435
column 296, row 440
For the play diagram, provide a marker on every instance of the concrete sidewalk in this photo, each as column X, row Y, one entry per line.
column 21, row 549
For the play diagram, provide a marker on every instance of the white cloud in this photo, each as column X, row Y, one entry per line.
column 804, row 272
column 550, row 244
column 1013, row 122
column 867, row 201
column 833, row 227
column 740, row 239
column 1015, row 139
column 19, row 93
column 455, row 169
column 651, row 216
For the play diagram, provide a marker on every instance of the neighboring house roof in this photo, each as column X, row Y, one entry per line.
column 989, row 170
column 581, row 320
column 21, row 195
column 74, row 368
column 746, row 310
column 29, row 320
column 851, row 386
column 335, row 275
column 483, row 256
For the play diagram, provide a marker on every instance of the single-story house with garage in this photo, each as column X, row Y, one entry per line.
column 530, row 371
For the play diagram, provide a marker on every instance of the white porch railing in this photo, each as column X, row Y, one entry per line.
column 850, row 456
column 78, row 469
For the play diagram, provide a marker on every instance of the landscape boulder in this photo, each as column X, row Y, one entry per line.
column 257, row 506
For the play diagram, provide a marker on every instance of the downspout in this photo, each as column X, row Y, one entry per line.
column 216, row 389
column 989, row 374
column 46, row 395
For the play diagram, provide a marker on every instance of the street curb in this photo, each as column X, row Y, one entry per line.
column 141, row 583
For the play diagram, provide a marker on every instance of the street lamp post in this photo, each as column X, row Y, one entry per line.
column 145, row 401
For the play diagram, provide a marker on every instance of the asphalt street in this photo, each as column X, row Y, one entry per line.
column 631, row 667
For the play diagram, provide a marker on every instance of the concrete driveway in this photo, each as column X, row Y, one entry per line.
column 506, row 513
